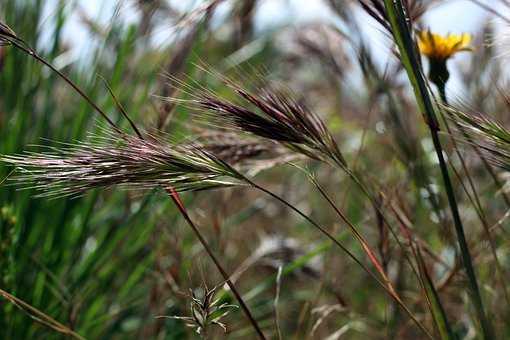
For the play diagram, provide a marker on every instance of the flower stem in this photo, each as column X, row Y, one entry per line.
column 407, row 48
column 475, row 199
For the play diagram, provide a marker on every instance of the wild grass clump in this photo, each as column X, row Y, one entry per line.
column 227, row 167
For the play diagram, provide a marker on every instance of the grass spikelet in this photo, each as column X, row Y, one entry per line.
column 129, row 161
column 6, row 35
column 271, row 114
column 249, row 155
column 206, row 310
column 488, row 134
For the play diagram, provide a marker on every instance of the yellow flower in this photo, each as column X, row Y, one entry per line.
column 440, row 48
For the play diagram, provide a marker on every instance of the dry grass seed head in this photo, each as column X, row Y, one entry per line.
column 206, row 310
column 6, row 35
column 488, row 134
column 248, row 155
column 268, row 113
column 128, row 161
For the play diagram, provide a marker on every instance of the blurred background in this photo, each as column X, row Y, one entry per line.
column 107, row 263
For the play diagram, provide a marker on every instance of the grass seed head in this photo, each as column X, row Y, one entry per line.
column 206, row 310
column 7, row 35
column 489, row 135
column 128, row 161
column 270, row 114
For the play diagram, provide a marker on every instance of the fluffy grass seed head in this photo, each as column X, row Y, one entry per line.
column 247, row 155
column 491, row 136
column 271, row 114
column 129, row 161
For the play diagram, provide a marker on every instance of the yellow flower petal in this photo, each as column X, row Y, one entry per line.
column 441, row 48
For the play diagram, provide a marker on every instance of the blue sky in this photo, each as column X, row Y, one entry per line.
column 450, row 16
column 453, row 16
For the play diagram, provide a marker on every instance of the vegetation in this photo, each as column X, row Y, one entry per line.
column 320, row 192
